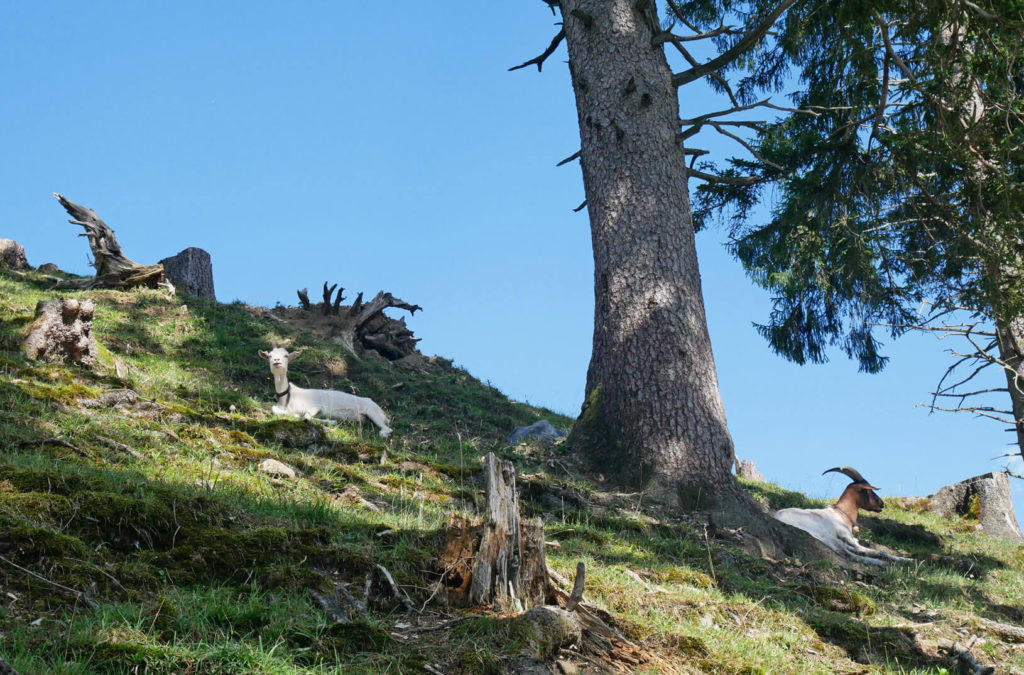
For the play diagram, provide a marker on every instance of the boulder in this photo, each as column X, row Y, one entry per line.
column 538, row 431
column 191, row 272
column 987, row 498
column 12, row 255
column 277, row 469
column 63, row 329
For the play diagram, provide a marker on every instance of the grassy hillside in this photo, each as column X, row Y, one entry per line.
column 142, row 537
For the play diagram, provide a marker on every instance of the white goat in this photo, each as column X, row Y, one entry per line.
column 835, row 526
column 327, row 403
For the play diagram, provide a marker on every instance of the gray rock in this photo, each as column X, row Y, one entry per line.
column 991, row 494
column 63, row 329
column 12, row 255
column 538, row 431
column 191, row 272
column 276, row 468
column 49, row 268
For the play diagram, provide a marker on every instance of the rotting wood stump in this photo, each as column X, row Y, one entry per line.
column 113, row 268
column 499, row 562
column 62, row 329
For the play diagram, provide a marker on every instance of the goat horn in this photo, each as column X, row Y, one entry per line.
column 849, row 471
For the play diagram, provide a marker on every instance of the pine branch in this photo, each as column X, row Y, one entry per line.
column 724, row 180
column 741, row 47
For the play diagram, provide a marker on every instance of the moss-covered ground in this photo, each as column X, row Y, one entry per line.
column 143, row 538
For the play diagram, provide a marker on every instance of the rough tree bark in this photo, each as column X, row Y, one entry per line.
column 653, row 415
column 1010, row 340
column 113, row 268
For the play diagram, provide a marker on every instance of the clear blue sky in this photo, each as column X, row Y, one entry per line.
column 384, row 146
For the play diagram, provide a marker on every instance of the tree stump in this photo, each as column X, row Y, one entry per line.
column 191, row 272
column 113, row 268
column 508, row 569
column 986, row 497
column 63, row 329
column 745, row 468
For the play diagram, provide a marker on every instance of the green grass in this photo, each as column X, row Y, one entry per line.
column 194, row 561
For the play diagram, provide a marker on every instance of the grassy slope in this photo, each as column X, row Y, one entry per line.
column 195, row 561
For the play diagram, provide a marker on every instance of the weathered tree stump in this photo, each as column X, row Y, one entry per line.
column 191, row 272
column 986, row 497
column 745, row 468
column 63, row 329
column 508, row 569
column 113, row 268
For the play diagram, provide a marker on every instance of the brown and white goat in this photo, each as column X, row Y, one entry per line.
column 835, row 526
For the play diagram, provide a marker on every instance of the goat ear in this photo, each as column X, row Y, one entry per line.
column 294, row 355
column 264, row 354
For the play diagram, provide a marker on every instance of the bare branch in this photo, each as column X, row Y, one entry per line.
column 668, row 36
column 539, row 60
column 766, row 103
column 718, row 127
column 980, row 412
column 575, row 155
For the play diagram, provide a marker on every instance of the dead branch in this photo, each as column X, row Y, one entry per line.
column 539, row 60
column 330, row 606
column 117, row 445
column 963, row 655
column 1004, row 630
column 357, row 305
column 575, row 155
column 78, row 594
column 304, row 298
column 55, row 440
column 380, row 302
column 399, row 594
column 576, row 597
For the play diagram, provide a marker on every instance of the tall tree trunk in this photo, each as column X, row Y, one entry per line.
column 1010, row 341
column 653, row 415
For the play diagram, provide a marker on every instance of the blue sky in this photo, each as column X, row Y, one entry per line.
column 386, row 147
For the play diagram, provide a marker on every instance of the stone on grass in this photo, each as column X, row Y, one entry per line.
column 277, row 469
column 12, row 255
column 538, row 431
